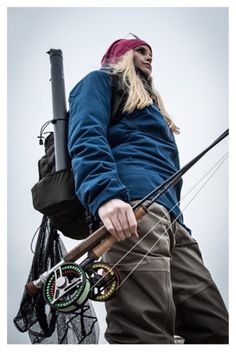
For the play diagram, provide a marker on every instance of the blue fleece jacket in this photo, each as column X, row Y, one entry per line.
column 126, row 160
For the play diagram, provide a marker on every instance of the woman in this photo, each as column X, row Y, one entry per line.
column 170, row 291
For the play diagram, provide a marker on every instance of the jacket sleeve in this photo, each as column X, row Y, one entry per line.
column 94, row 168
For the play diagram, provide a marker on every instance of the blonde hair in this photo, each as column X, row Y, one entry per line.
column 138, row 96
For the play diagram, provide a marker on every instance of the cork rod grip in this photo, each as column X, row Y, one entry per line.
column 105, row 245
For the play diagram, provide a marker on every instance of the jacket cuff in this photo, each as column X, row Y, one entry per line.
column 123, row 195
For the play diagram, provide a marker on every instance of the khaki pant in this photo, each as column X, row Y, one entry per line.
column 170, row 292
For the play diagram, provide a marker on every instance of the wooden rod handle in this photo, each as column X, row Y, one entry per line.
column 31, row 289
column 91, row 241
column 106, row 244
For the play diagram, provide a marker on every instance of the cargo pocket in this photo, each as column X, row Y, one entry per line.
column 143, row 311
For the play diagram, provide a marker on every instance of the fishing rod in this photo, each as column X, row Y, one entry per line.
column 174, row 179
column 67, row 285
column 140, row 210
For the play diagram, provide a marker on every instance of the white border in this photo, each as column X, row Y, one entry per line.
column 8, row 348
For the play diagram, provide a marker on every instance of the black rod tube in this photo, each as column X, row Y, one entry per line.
column 175, row 178
column 60, row 115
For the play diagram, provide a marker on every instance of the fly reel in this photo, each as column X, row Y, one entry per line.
column 104, row 281
column 67, row 288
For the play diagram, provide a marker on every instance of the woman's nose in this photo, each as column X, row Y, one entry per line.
column 149, row 58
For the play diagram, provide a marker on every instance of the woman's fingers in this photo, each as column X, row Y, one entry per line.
column 110, row 226
column 132, row 222
column 119, row 219
column 114, row 228
column 121, row 231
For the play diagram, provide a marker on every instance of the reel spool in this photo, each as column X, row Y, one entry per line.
column 104, row 281
column 67, row 288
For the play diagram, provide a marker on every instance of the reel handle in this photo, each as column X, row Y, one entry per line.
column 105, row 245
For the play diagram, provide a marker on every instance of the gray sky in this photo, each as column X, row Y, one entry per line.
column 190, row 70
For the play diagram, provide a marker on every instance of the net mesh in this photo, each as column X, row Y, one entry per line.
column 44, row 324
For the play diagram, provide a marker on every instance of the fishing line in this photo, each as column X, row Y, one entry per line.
column 216, row 166
column 155, row 243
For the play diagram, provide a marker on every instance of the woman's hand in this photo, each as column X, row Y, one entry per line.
column 119, row 219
